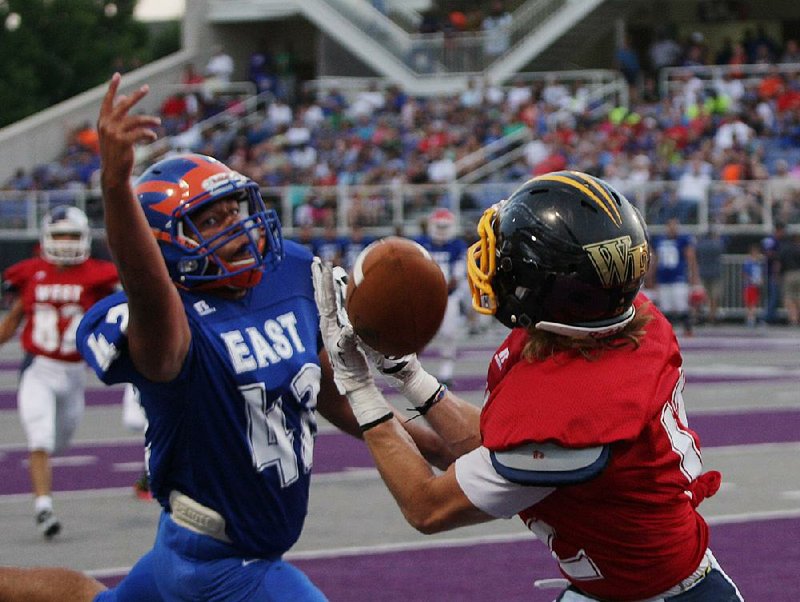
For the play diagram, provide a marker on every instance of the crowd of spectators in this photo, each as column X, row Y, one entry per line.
column 714, row 140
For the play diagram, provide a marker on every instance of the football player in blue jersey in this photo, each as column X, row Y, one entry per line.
column 356, row 242
column 330, row 246
column 218, row 329
column 674, row 271
column 449, row 251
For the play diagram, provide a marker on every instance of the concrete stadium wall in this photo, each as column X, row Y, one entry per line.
column 41, row 138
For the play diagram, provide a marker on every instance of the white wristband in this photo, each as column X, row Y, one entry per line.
column 420, row 388
column 369, row 406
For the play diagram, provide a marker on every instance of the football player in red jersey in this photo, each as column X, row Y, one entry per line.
column 583, row 434
column 52, row 292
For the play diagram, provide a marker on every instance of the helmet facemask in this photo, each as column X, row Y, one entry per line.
column 258, row 230
column 66, row 238
column 178, row 191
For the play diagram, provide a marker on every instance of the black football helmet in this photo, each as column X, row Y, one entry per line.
column 565, row 253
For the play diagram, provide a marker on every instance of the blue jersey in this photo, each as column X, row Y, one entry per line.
column 235, row 430
column 671, row 254
column 753, row 272
column 329, row 250
column 450, row 256
column 352, row 248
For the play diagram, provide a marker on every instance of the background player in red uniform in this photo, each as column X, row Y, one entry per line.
column 52, row 293
column 584, row 432
column 443, row 241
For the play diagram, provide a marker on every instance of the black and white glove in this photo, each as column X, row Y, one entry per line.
column 351, row 371
column 406, row 374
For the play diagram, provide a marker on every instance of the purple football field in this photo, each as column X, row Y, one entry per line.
column 506, row 571
column 757, row 546
column 111, row 465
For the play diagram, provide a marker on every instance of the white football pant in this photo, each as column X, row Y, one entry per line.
column 673, row 298
column 448, row 337
column 51, row 402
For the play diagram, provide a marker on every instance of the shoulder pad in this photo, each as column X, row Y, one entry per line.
column 548, row 464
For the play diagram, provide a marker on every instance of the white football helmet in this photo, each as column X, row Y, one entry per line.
column 442, row 226
column 66, row 220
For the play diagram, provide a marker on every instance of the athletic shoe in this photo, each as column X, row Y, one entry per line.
column 142, row 488
column 48, row 523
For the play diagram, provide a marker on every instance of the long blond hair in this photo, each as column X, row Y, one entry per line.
column 542, row 345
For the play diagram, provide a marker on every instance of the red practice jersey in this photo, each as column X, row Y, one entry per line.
column 633, row 531
column 55, row 298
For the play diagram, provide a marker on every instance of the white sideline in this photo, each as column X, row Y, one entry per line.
column 462, row 542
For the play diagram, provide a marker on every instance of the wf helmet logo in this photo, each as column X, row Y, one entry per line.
column 616, row 262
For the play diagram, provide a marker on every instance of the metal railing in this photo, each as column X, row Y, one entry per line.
column 245, row 102
column 731, row 301
column 673, row 79
column 607, row 87
column 474, row 52
column 446, row 52
column 748, row 207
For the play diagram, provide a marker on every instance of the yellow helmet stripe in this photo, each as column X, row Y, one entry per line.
column 602, row 191
column 614, row 217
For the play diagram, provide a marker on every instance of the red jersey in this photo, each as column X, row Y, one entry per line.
column 633, row 531
column 55, row 298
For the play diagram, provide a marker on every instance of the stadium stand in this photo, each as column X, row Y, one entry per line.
column 705, row 135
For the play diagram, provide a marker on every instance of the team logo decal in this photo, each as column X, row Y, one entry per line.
column 218, row 180
column 616, row 261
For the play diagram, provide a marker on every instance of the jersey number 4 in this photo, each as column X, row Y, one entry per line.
column 271, row 437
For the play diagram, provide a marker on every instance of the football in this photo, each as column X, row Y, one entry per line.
column 396, row 296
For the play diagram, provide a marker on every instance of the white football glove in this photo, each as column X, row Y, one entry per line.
column 340, row 286
column 406, row 373
column 351, row 371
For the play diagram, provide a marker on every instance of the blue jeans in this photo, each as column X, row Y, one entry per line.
column 773, row 298
column 184, row 565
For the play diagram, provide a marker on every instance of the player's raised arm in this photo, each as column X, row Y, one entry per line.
column 158, row 333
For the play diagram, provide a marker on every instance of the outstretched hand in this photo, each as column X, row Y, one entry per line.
column 119, row 131
column 404, row 373
column 351, row 371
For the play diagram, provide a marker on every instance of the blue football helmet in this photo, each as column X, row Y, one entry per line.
column 174, row 189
